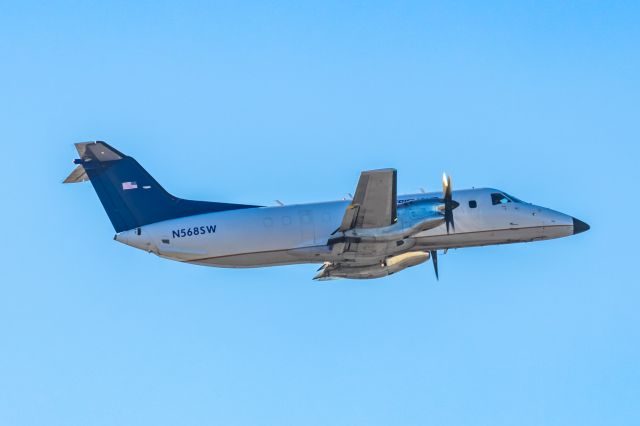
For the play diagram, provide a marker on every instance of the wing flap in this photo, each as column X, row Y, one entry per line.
column 349, row 218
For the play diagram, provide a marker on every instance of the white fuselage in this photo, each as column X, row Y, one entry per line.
column 281, row 235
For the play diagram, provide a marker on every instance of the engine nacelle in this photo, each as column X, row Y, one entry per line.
column 413, row 218
column 391, row 265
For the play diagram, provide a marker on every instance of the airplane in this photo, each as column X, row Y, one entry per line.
column 374, row 234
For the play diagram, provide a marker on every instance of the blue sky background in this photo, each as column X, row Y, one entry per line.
column 259, row 101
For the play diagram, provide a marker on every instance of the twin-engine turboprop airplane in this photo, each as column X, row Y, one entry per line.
column 375, row 234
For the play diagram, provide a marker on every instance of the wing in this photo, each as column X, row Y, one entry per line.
column 375, row 202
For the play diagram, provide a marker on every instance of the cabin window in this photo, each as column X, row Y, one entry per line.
column 286, row 220
column 473, row 204
column 498, row 198
column 268, row 222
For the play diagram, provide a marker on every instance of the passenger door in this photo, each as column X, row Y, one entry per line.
column 307, row 227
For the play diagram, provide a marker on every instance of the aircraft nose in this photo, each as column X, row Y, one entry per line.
column 579, row 226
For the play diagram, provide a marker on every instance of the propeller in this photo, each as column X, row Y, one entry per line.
column 434, row 259
column 449, row 203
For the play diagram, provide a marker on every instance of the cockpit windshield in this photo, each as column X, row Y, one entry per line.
column 503, row 198
column 514, row 199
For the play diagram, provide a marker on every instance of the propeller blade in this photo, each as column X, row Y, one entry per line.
column 446, row 185
column 434, row 259
column 448, row 218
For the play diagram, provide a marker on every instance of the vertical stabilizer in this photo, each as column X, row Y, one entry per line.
column 131, row 196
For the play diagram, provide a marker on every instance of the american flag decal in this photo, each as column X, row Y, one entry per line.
column 129, row 185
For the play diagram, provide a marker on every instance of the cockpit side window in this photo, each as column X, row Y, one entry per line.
column 502, row 198
column 499, row 198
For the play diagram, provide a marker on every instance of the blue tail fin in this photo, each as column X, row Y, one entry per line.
column 129, row 195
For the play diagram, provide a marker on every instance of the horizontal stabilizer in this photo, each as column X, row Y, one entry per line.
column 77, row 175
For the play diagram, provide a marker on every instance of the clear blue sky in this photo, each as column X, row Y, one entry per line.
column 260, row 101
